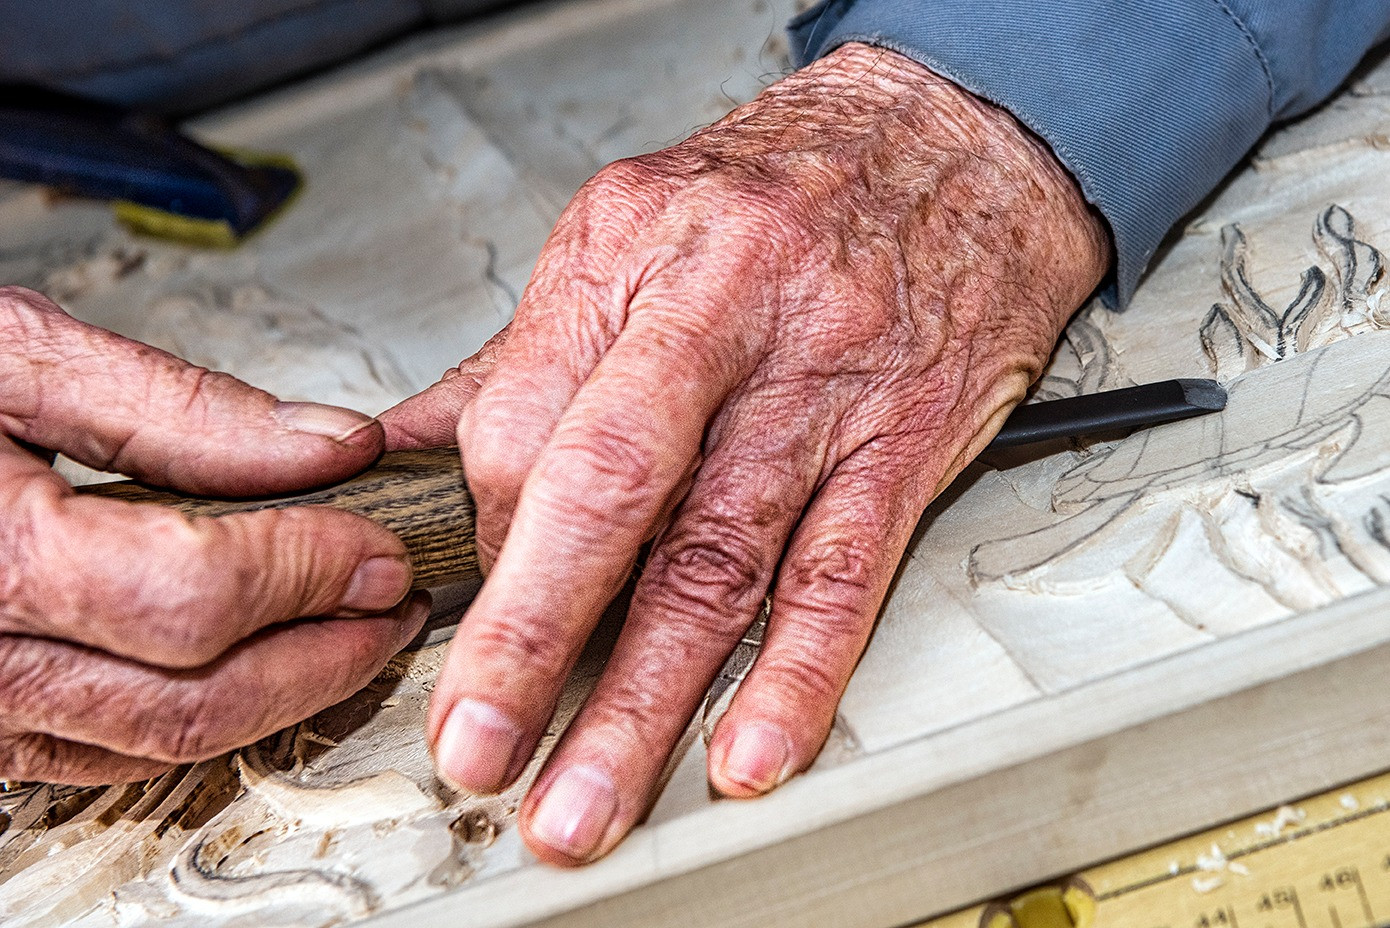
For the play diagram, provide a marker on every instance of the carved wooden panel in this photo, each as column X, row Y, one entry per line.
column 1081, row 628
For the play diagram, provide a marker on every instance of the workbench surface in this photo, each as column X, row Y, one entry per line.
column 1090, row 647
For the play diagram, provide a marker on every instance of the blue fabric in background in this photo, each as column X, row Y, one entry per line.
column 1149, row 103
column 184, row 55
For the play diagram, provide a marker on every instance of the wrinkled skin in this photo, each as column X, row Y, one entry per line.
column 767, row 348
column 133, row 638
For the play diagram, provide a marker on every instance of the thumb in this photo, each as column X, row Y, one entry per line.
column 118, row 405
column 430, row 418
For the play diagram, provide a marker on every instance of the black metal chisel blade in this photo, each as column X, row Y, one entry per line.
column 1111, row 411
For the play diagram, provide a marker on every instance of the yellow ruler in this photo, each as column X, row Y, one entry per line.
column 1320, row 863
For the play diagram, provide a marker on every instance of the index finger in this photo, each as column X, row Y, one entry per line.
column 620, row 451
column 115, row 404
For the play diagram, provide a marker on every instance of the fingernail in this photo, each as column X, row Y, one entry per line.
column 759, row 757
column 418, row 609
column 576, row 812
column 476, row 747
column 327, row 421
column 378, row 584
column 416, row 612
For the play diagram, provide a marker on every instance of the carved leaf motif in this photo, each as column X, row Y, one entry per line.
column 1312, row 288
column 1100, row 370
column 1270, row 332
column 1376, row 523
column 1358, row 271
column 1302, row 442
column 1320, row 313
column 1086, row 361
column 1229, row 353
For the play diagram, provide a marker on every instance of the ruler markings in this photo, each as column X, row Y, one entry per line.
column 1285, row 838
column 1365, row 900
column 1324, row 864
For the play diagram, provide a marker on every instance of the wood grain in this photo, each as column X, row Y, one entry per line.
column 419, row 495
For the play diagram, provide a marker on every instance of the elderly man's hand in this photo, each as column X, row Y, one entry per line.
column 766, row 348
column 133, row 638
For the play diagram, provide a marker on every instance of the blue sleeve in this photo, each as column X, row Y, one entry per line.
column 1149, row 103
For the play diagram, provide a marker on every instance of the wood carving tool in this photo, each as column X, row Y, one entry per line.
column 421, row 495
column 162, row 182
column 1111, row 411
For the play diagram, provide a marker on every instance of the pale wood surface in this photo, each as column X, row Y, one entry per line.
column 1087, row 649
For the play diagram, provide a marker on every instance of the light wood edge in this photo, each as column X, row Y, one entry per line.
column 1000, row 802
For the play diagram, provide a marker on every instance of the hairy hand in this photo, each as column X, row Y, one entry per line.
column 767, row 348
column 133, row 638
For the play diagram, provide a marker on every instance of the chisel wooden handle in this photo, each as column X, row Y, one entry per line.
column 419, row 495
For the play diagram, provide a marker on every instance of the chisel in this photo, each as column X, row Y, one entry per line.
column 421, row 495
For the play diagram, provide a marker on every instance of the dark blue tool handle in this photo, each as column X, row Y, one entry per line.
column 93, row 149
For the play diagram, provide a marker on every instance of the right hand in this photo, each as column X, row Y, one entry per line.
column 765, row 350
column 133, row 638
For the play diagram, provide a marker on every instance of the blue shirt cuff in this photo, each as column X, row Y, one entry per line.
column 1148, row 105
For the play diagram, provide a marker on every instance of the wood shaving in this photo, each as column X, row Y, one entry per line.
column 1205, row 884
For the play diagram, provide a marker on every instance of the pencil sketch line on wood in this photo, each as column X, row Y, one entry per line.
column 1273, row 488
column 1086, row 361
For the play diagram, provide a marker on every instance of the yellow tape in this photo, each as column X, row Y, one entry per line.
column 1322, row 862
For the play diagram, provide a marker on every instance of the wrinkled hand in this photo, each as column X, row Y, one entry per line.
column 133, row 638
column 768, row 347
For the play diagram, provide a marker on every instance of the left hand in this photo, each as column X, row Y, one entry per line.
column 133, row 637
column 768, row 347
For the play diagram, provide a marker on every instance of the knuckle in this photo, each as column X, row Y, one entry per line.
column 617, row 200
column 495, row 468
column 622, row 178
column 18, row 304
column 832, row 577
column 831, row 631
column 544, row 651
column 19, row 564
column 39, row 337
column 628, row 721
column 190, row 724
column 719, row 574
column 614, row 471
column 289, row 563
column 182, row 615
column 800, row 677
column 756, row 205
column 184, row 641
column 181, row 640
column 193, row 389
column 27, row 676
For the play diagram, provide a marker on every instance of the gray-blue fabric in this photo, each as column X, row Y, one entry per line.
column 184, row 55
column 1149, row 103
